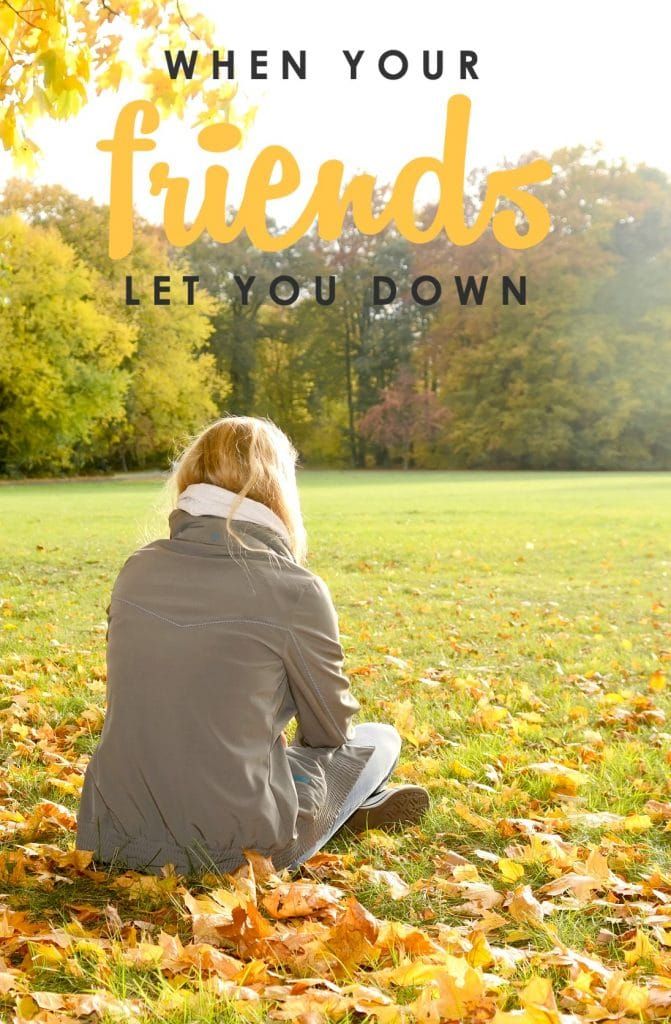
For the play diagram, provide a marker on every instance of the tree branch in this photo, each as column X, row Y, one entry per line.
column 19, row 14
column 185, row 22
column 11, row 55
column 109, row 9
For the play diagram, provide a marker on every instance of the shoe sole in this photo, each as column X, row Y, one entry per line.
column 403, row 806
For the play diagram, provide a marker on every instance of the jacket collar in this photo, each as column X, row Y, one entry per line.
column 212, row 530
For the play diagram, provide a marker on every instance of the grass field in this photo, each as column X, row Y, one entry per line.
column 516, row 630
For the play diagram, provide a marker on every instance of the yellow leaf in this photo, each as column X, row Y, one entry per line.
column 622, row 995
column 480, row 954
column 471, row 817
column 657, row 681
column 112, row 76
column 48, row 1000
column 26, row 1008
column 25, row 155
column 642, row 949
column 539, row 1005
column 396, row 887
column 524, row 907
column 561, row 776
column 8, row 137
column 489, row 716
column 637, row 822
column 461, row 991
column 83, row 65
column 538, row 992
column 404, row 720
column 466, row 873
column 510, row 871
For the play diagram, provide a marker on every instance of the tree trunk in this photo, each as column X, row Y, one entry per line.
column 350, row 396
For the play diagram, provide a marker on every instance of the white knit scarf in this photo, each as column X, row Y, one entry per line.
column 210, row 500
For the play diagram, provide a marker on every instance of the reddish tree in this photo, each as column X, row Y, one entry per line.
column 403, row 417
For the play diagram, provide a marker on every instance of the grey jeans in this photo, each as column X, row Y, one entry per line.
column 387, row 743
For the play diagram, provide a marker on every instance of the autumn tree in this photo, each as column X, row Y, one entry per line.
column 62, row 379
column 578, row 378
column 241, row 324
column 405, row 416
column 172, row 385
column 366, row 342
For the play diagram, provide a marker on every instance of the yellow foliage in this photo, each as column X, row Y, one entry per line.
column 53, row 52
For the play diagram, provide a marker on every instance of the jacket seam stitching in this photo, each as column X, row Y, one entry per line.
column 195, row 625
column 315, row 687
column 258, row 622
column 308, row 673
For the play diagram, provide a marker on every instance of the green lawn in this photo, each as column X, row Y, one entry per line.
column 500, row 620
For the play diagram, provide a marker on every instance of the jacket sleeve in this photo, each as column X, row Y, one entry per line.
column 313, row 661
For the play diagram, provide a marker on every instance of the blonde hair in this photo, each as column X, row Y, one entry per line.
column 253, row 458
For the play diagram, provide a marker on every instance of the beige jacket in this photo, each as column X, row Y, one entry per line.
column 212, row 650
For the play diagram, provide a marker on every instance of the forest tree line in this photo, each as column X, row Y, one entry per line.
column 577, row 378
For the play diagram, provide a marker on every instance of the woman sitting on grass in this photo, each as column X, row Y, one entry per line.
column 217, row 638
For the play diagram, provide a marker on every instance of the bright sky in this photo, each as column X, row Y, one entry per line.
column 550, row 75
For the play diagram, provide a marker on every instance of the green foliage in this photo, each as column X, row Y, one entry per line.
column 174, row 381
column 170, row 382
column 62, row 385
column 362, row 346
column 576, row 379
column 241, row 330
column 579, row 377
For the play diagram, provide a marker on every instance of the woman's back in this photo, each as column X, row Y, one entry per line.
column 218, row 637
column 204, row 638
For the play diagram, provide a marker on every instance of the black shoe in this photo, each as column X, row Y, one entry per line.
column 397, row 805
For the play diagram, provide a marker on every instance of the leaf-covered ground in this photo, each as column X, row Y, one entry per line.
column 516, row 630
